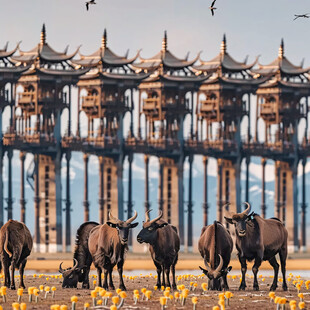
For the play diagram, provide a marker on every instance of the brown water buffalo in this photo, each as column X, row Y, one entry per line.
column 215, row 246
column 15, row 247
column 107, row 245
column 81, row 257
column 259, row 239
column 164, row 246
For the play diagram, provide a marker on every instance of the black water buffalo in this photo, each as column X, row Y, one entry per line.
column 164, row 246
column 107, row 245
column 259, row 239
column 15, row 247
column 215, row 246
column 81, row 257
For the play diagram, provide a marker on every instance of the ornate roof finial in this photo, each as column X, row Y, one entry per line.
column 224, row 45
column 281, row 49
column 104, row 40
column 43, row 35
column 165, row 42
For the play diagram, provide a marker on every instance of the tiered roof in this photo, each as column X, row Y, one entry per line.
column 106, row 64
column 166, row 66
column 224, row 68
column 282, row 72
column 44, row 59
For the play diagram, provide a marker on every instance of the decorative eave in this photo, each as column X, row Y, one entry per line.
column 237, row 82
column 285, row 84
column 52, row 72
column 4, row 53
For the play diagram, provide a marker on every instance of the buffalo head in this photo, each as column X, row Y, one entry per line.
column 215, row 275
column 70, row 275
column 122, row 226
column 240, row 220
column 148, row 233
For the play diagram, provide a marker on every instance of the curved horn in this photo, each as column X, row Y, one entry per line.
column 247, row 210
column 75, row 264
column 112, row 218
column 60, row 268
column 219, row 267
column 132, row 218
column 226, row 212
column 208, row 268
column 147, row 217
column 157, row 218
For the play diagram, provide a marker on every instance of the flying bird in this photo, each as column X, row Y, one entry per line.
column 212, row 8
column 89, row 2
column 301, row 15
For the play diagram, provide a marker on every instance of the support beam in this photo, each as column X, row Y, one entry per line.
column 146, row 189
column 247, row 162
column 190, row 207
column 86, row 202
column 220, row 190
column 37, row 240
column 131, row 113
column 161, row 184
column 263, row 205
column 101, row 190
column 68, row 205
column 1, row 188
column 22, row 201
column 129, row 202
column 10, row 198
column 205, row 191
column 303, row 208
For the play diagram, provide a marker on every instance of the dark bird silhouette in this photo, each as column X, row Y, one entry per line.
column 212, row 8
column 89, row 2
column 301, row 15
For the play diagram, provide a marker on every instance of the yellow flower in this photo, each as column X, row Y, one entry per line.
column 272, row 295
column 118, row 291
column 194, row 300
column 47, row 289
column 23, row 306
column 155, row 288
column 216, row 308
column 99, row 302
column 136, row 292
column 63, row 307
column 148, row 294
column 15, row 306
column 302, row 305
column 113, row 307
column 166, row 293
column 20, row 292
column 93, row 294
column 86, row 305
column 36, row 292
column 123, row 294
column 163, row 301
column 74, row 299
column 228, row 294
column 115, row 300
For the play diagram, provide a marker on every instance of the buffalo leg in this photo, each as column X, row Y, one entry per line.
column 174, row 286
column 158, row 268
column 225, row 284
column 99, row 272
column 257, row 263
column 243, row 271
column 105, row 281
column 21, row 273
column 273, row 262
column 120, row 272
column 163, row 283
column 12, row 286
column 167, row 272
column 111, row 285
column 6, row 268
column 283, row 256
column 85, row 283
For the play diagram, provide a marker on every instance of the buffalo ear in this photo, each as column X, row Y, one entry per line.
column 162, row 225
column 228, row 220
column 134, row 225
column 112, row 224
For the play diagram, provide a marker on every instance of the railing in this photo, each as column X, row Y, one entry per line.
column 268, row 108
column 151, row 104
column 90, row 101
column 26, row 98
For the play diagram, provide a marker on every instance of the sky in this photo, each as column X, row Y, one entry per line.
column 252, row 28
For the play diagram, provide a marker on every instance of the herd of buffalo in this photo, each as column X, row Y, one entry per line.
column 105, row 246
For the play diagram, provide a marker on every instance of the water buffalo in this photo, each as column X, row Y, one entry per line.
column 15, row 247
column 259, row 239
column 81, row 257
column 164, row 246
column 215, row 246
column 107, row 245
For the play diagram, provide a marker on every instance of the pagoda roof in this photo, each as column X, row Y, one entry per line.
column 104, row 57
column 177, row 78
column 288, row 84
column 164, row 58
column 4, row 53
column 224, row 62
column 54, row 72
column 281, row 65
column 43, row 52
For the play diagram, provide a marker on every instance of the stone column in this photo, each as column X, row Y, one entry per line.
column 101, row 190
column 22, row 201
column 10, row 198
column 37, row 205
column 263, row 205
column 86, row 202
column 146, row 189
column 303, row 208
column 190, row 207
column 205, row 191
column 129, row 203
column 68, row 205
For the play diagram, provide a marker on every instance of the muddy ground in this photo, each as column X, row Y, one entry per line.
column 247, row 299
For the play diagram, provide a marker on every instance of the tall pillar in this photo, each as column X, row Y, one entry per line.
column 263, row 205
column 10, row 198
column 101, row 191
column 1, row 186
column 22, row 201
column 190, row 207
column 219, row 190
column 303, row 242
column 160, row 184
column 287, row 208
column 86, row 202
column 247, row 163
column 37, row 241
column 68, row 205
column 131, row 113
column 69, row 112
column 146, row 189
column 205, row 191
column 192, row 115
column 129, row 202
